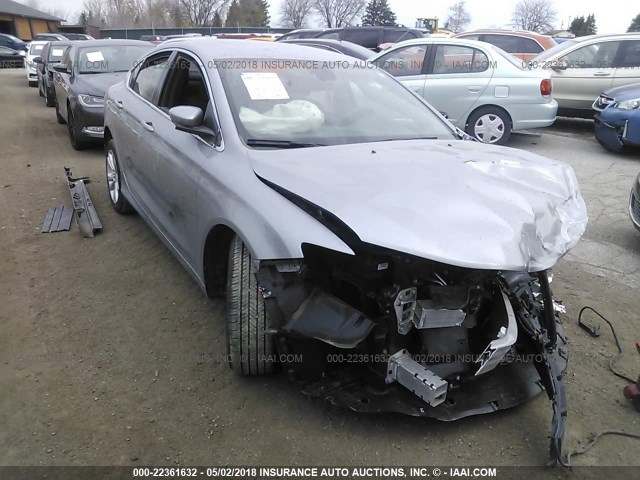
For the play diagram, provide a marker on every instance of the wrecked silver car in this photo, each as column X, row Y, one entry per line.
column 364, row 245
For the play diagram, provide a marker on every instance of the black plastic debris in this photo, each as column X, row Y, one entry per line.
column 57, row 219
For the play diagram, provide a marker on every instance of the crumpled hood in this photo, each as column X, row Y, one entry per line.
column 624, row 92
column 97, row 83
column 457, row 202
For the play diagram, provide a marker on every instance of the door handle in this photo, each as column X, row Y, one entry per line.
column 473, row 89
column 601, row 74
column 118, row 104
column 148, row 126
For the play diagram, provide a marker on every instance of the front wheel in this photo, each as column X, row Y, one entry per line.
column 490, row 125
column 114, row 181
column 74, row 135
column 250, row 346
column 59, row 117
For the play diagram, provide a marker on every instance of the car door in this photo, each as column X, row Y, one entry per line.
column 62, row 81
column 133, row 106
column 408, row 65
column 457, row 76
column 628, row 63
column 589, row 71
column 180, row 155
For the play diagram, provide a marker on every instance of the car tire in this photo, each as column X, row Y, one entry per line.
column 114, row 181
column 59, row 117
column 490, row 125
column 50, row 102
column 74, row 136
column 250, row 347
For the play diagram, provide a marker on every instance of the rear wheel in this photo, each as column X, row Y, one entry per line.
column 114, row 181
column 250, row 346
column 490, row 125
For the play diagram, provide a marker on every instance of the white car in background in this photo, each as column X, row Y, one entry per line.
column 35, row 49
column 480, row 88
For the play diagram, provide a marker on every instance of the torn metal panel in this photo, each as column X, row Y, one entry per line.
column 57, row 219
column 452, row 202
column 86, row 214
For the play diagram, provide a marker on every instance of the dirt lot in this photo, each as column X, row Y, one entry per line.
column 110, row 354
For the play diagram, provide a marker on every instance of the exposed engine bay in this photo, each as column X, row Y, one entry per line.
column 383, row 331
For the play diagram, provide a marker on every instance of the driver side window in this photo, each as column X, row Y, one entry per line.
column 149, row 76
column 185, row 85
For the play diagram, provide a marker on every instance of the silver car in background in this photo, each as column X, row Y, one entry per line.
column 343, row 218
column 582, row 68
column 480, row 88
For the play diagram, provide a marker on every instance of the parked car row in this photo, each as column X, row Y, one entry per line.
column 340, row 213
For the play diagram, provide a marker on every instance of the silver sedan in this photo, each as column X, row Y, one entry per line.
column 367, row 247
column 479, row 87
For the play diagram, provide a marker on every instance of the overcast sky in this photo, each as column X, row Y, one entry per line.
column 484, row 13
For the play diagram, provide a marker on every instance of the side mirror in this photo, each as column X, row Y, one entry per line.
column 561, row 65
column 38, row 60
column 189, row 119
column 61, row 67
column 186, row 116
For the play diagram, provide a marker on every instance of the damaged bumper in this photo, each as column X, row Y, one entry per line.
column 453, row 342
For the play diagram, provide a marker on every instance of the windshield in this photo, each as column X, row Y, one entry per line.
column 36, row 49
column 327, row 103
column 110, row 58
column 553, row 50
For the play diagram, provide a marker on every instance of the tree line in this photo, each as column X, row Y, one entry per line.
column 533, row 15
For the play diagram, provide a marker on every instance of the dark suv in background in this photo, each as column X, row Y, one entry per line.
column 12, row 42
column 371, row 37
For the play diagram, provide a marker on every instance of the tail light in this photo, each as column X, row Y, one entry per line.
column 545, row 87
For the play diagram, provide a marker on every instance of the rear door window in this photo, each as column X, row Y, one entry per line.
column 508, row 43
column 630, row 55
column 450, row 59
column 367, row 37
column 528, row 45
column 395, row 36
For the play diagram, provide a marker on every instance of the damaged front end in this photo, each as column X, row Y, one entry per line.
column 383, row 331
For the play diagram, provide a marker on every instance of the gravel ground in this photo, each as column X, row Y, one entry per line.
column 110, row 354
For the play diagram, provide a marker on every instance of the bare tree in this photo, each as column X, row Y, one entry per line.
column 293, row 13
column 96, row 12
column 339, row 13
column 201, row 12
column 459, row 17
column 534, row 15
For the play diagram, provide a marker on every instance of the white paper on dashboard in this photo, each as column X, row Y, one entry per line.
column 264, row 86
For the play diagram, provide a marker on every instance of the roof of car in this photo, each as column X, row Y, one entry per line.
column 109, row 41
column 207, row 48
column 634, row 35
